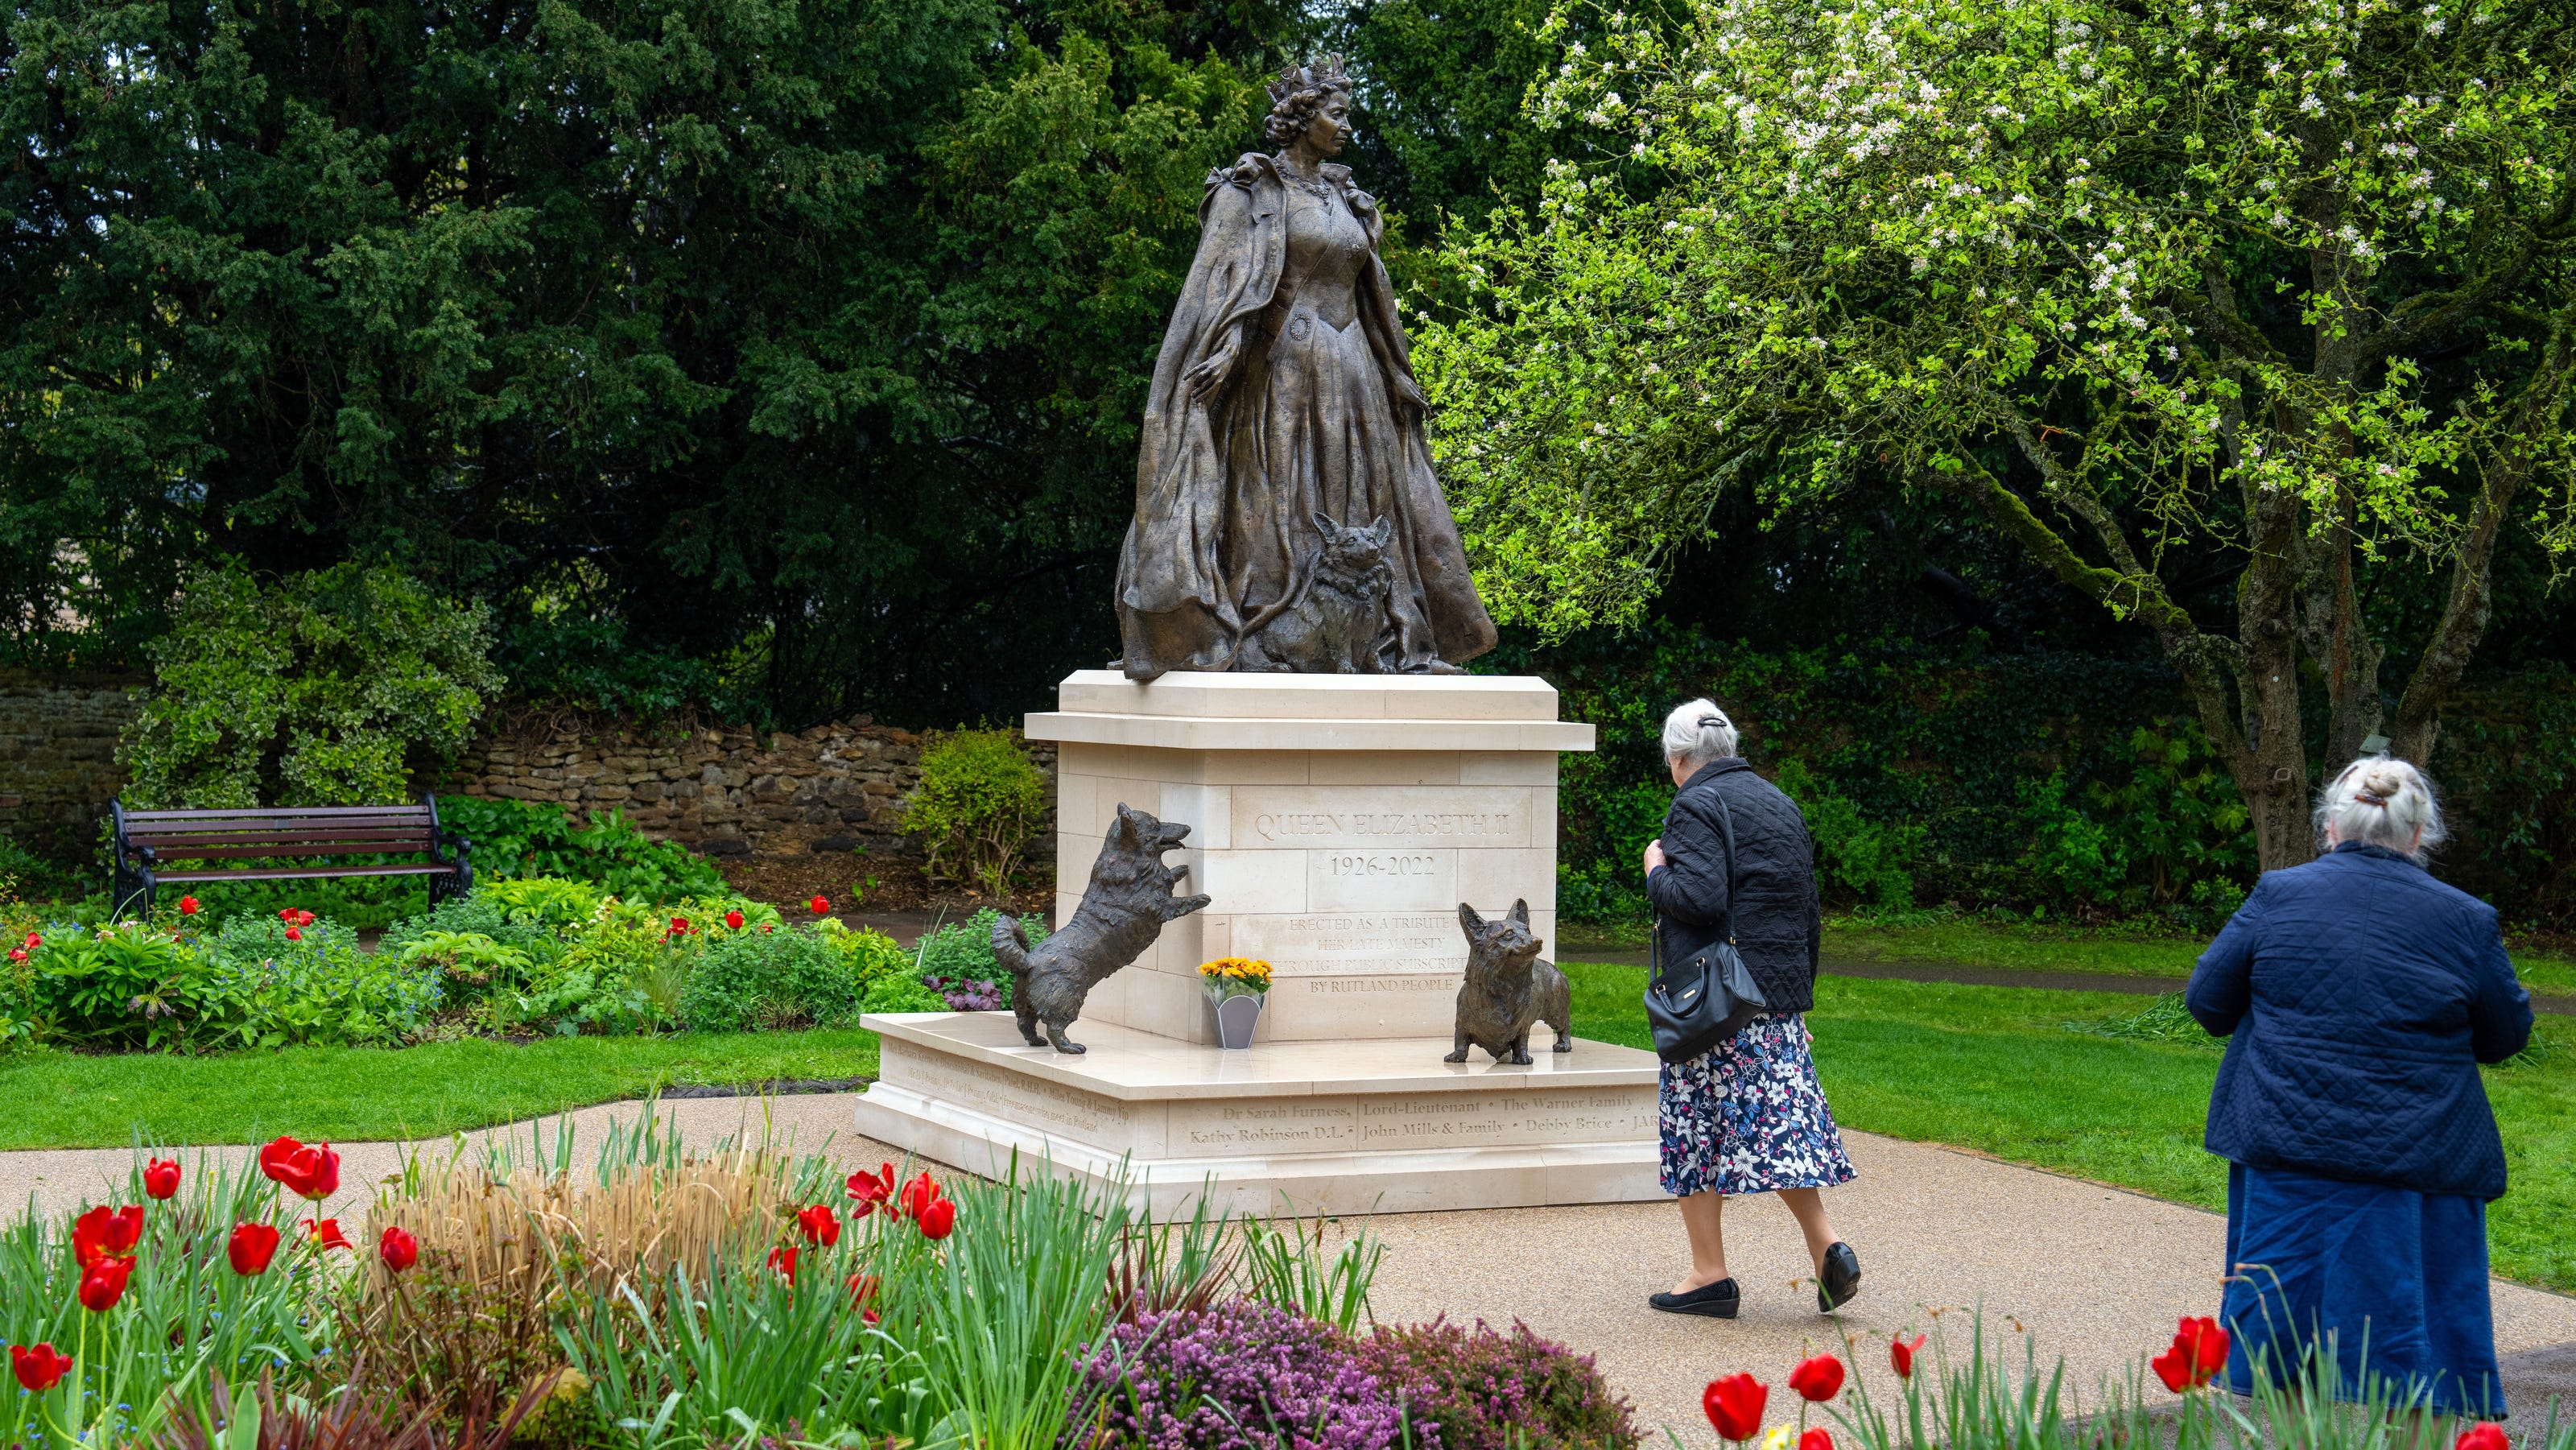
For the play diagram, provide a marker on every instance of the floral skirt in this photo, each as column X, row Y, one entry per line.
column 1747, row 1116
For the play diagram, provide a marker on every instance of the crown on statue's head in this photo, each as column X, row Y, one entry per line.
column 1323, row 75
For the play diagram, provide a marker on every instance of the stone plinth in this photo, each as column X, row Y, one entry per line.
column 1338, row 820
column 1381, row 1125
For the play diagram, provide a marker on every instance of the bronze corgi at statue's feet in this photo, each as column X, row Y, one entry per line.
column 1508, row 989
column 1122, row 911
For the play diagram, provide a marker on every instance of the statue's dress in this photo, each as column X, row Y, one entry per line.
column 1320, row 415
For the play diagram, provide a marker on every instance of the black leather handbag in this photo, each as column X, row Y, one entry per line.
column 1699, row 1003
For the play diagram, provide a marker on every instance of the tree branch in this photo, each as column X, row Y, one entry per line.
column 2466, row 610
column 2429, row 315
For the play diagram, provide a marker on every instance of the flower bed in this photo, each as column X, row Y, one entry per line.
column 665, row 1298
column 521, row 957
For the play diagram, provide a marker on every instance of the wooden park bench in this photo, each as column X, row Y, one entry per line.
column 270, row 840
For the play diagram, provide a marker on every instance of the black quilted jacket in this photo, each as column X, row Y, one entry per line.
column 2359, row 996
column 1772, row 903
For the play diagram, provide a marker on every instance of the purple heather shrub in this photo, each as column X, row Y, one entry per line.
column 968, row 994
column 1486, row 1391
column 1239, row 1376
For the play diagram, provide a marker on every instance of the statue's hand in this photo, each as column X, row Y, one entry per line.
column 1210, row 373
column 1409, row 402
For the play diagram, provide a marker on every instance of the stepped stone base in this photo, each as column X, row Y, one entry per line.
column 1354, row 1127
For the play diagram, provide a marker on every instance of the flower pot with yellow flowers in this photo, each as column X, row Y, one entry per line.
column 1236, row 989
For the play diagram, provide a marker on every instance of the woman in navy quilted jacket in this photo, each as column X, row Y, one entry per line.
column 2359, row 995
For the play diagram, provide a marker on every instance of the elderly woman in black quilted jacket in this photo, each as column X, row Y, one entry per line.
column 1747, row 1116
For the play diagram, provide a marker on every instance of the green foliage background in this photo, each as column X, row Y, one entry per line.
column 321, row 689
column 2045, row 782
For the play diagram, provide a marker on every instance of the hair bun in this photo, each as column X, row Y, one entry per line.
column 2382, row 782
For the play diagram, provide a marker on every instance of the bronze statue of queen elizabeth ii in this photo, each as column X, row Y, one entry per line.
column 1284, row 404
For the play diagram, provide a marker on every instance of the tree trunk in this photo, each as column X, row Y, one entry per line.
column 2274, row 776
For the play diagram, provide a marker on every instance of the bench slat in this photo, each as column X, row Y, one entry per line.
column 253, row 838
column 272, row 812
column 279, row 825
column 289, row 873
column 255, row 853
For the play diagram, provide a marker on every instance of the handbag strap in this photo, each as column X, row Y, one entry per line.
column 1726, row 830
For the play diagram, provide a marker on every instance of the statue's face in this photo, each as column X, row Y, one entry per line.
column 1332, row 124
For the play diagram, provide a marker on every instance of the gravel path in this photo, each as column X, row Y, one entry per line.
column 2098, row 1274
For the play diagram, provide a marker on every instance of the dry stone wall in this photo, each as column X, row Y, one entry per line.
column 727, row 791
column 58, row 736
column 724, row 791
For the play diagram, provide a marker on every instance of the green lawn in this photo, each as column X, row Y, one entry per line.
column 1996, row 1069
column 1975, row 941
column 63, row 1100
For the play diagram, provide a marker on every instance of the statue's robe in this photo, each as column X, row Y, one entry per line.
column 1177, row 607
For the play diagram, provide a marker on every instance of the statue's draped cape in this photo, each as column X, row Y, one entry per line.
column 1176, row 607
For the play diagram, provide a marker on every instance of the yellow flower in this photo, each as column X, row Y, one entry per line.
column 1248, row 971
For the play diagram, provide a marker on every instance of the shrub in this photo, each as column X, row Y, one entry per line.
column 320, row 988
column 979, row 805
column 129, row 985
column 771, row 979
column 525, row 838
column 957, row 961
column 315, row 690
column 1235, row 1377
column 1479, row 1390
column 480, row 914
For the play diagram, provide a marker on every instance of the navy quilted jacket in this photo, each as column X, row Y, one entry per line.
column 1768, row 904
column 2359, row 995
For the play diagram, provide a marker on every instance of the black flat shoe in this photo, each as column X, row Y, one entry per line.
column 1841, row 1279
column 1713, row 1301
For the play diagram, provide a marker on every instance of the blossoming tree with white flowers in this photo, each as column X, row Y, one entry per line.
column 2297, row 277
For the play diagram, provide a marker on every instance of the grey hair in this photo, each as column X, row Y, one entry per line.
column 2381, row 801
column 1697, row 730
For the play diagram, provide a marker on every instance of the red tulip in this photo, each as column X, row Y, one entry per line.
column 250, row 1248
column 325, row 1233
column 2198, row 1352
column 17, row 954
column 309, row 1173
column 938, row 1219
column 863, row 1292
column 820, row 1225
column 783, row 1259
column 286, row 914
column 1816, row 1439
column 1818, row 1379
column 1734, row 1405
column 38, row 1369
column 734, row 919
column 919, row 1194
column 1901, row 1352
column 292, row 934
column 820, row 905
column 398, row 1249
column 161, row 1177
column 103, row 1283
column 679, row 925
column 103, row 1233
column 187, row 906
column 871, row 1189
column 2484, row 1435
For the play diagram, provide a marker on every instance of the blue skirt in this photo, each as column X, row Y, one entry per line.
column 2391, row 1282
